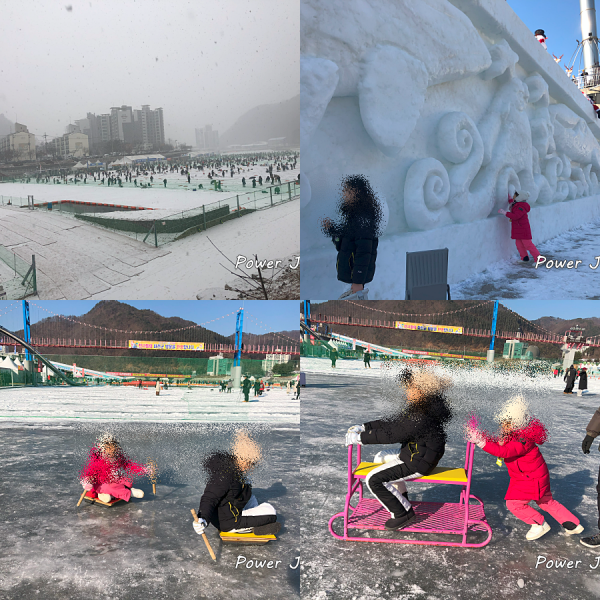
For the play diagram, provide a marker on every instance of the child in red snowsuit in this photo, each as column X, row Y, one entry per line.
column 105, row 475
column 529, row 476
column 520, row 231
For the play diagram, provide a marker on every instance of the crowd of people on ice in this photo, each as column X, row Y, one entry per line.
column 228, row 501
column 420, row 428
column 200, row 171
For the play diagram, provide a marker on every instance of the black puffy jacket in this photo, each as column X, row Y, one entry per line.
column 356, row 257
column 226, row 494
column 420, row 430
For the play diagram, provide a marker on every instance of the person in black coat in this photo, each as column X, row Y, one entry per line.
column 228, row 502
column 420, row 429
column 583, row 379
column 570, row 377
column 356, row 234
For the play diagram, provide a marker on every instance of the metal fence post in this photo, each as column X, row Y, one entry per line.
column 155, row 236
column 290, row 190
column 271, row 193
column 34, row 275
column 204, row 216
column 238, row 205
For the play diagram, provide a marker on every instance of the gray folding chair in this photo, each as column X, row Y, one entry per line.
column 427, row 275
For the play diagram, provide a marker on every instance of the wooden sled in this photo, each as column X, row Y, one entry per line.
column 245, row 538
column 91, row 500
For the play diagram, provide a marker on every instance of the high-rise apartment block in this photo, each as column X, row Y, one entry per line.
column 207, row 139
column 132, row 126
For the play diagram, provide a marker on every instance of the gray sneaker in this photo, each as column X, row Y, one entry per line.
column 350, row 295
column 591, row 542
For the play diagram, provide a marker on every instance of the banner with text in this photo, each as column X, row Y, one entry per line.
column 426, row 327
column 149, row 345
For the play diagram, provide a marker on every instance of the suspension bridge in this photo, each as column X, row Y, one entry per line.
column 61, row 331
column 366, row 315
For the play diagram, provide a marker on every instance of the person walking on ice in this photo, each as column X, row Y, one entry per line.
column 520, row 230
column 105, row 475
column 591, row 433
column 333, row 354
column 420, row 429
column 569, row 378
column 246, row 385
column 157, row 387
column 517, row 443
column 367, row 359
column 228, row 502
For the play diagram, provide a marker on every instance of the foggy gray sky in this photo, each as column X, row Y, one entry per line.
column 203, row 62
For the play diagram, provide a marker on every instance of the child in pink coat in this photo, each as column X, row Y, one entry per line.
column 517, row 444
column 105, row 475
column 520, row 231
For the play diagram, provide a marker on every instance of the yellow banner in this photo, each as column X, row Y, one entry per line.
column 432, row 328
column 149, row 345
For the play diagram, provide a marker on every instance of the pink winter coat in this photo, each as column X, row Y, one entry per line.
column 520, row 229
column 529, row 476
column 100, row 470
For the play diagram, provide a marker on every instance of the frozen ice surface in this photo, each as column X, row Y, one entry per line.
column 131, row 403
column 517, row 279
column 146, row 548
column 170, row 199
column 334, row 399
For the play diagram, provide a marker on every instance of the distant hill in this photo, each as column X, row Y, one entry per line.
column 264, row 122
column 114, row 315
column 479, row 317
column 6, row 126
column 559, row 326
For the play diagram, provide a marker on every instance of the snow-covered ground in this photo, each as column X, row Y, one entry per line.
column 178, row 195
column 334, row 399
column 146, row 548
column 130, row 403
column 76, row 260
column 517, row 279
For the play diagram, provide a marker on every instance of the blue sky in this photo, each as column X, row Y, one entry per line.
column 564, row 309
column 558, row 18
column 260, row 316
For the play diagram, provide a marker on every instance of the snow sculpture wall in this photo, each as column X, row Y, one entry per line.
column 447, row 106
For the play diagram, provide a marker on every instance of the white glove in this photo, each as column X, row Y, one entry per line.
column 502, row 212
column 476, row 437
column 353, row 437
column 200, row 526
column 356, row 428
column 86, row 485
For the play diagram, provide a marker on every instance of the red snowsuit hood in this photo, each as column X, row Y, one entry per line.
column 520, row 229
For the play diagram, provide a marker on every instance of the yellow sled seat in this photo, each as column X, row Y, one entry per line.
column 246, row 538
column 438, row 475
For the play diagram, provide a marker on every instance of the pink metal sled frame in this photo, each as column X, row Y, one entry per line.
column 432, row 517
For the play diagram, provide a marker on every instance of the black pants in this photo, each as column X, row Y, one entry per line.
column 378, row 481
column 246, row 394
column 246, row 522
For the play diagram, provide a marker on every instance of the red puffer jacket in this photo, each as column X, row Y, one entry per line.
column 520, row 229
column 529, row 476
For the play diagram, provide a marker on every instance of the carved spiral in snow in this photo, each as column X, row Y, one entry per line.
column 506, row 184
column 457, row 134
column 459, row 142
column 426, row 193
